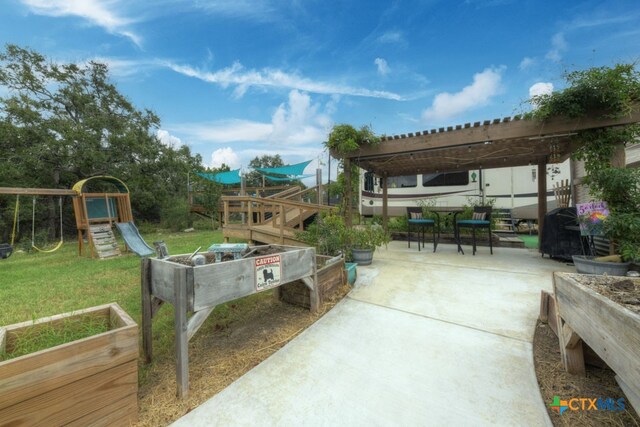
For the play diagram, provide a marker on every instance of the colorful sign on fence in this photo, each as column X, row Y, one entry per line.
column 268, row 272
column 591, row 217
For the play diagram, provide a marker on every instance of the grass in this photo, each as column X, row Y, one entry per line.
column 530, row 241
column 36, row 285
column 40, row 337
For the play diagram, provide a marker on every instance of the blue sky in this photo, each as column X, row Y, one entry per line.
column 234, row 79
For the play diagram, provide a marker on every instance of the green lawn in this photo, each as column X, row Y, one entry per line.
column 38, row 284
column 34, row 285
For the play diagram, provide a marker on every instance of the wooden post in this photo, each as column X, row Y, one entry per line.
column 319, row 185
column 570, row 348
column 385, row 204
column 182, row 339
column 347, row 192
column 147, row 314
column 542, row 196
column 283, row 218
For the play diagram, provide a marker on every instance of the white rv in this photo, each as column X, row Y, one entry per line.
column 512, row 187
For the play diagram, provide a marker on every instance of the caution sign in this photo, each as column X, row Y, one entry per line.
column 268, row 272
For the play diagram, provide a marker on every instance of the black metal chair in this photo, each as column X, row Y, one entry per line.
column 415, row 219
column 481, row 219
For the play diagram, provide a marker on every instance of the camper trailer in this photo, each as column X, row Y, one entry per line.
column 513, row 187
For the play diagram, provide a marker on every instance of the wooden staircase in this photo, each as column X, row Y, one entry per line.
column 273, row 219
column 103, row 241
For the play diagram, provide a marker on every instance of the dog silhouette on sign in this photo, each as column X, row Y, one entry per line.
column 267, row 274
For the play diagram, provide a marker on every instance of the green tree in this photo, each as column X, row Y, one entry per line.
column 254, row 178
column 60, row 123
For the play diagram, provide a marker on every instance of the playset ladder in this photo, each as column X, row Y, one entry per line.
column 103, row 241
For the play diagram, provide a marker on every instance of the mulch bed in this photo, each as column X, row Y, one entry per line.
column 222, row 351
column 624, row 291
column 554, row 381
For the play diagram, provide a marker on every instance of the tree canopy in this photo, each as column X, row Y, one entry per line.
column 62, row 122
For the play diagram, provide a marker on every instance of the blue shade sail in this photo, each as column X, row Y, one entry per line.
column 231, row 177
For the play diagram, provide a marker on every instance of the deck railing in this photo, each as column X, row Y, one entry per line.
column 279, row 213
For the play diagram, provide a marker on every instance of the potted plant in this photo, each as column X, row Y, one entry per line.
column 620, row 187
column 363, row 241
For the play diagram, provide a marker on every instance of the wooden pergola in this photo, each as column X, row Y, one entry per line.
column 482, row 145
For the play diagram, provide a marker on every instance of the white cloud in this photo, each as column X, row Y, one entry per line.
column 125, row 67
column 558, row 47
column 233, row 130
column 167, row 139
column 243, row 79
column 540, row 88
column 447, row 105
column 299, row 122
column 383, row 67
column 225, row 155
column 99, row 12
column 261, row 11
column 391, row 37
column 296, row 122
column 526, row 63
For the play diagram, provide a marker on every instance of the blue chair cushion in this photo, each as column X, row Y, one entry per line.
column 473, row 222
column 421, row 221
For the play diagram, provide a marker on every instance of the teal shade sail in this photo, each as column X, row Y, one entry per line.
column 289, row 170
column 286, row 178
column 231, row 177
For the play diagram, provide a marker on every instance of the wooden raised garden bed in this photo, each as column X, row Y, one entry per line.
column 331, row 275
column 83, row 382
column 199, row 289
column 608, row 327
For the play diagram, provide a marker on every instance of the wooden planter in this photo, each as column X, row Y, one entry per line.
column 331, row 275
column 610, row 329
column 199, row 289
column 85, row 382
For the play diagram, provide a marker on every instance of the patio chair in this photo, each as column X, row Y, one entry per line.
column 481, row 219
column 415, row 219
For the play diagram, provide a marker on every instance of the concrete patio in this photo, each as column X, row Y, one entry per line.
column 423, row 339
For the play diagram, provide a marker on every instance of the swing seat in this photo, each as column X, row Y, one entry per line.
column 5, row 250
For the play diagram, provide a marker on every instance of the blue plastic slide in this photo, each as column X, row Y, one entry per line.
column 133, row 239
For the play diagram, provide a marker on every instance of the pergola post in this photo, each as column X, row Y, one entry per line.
column 542, row 196
column 385, row 203
column 347, row 192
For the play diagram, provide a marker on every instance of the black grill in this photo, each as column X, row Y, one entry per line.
column 560, row 234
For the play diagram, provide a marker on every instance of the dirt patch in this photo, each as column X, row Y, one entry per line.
column 222, row 351
column 554, row 381
column 624, row 291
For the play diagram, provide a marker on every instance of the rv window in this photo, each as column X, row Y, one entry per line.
column 403, row 181
column 369, row 181
column 442, row 179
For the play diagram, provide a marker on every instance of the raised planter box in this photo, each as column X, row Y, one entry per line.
column 199, row 289
column 331, row 275
column 610, row 329
column 89, row 381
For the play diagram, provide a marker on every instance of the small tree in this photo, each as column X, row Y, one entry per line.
column 343, row 140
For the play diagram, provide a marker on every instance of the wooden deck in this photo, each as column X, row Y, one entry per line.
column 273, row 219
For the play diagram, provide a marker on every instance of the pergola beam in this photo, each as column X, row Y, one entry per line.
column 505, row 130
